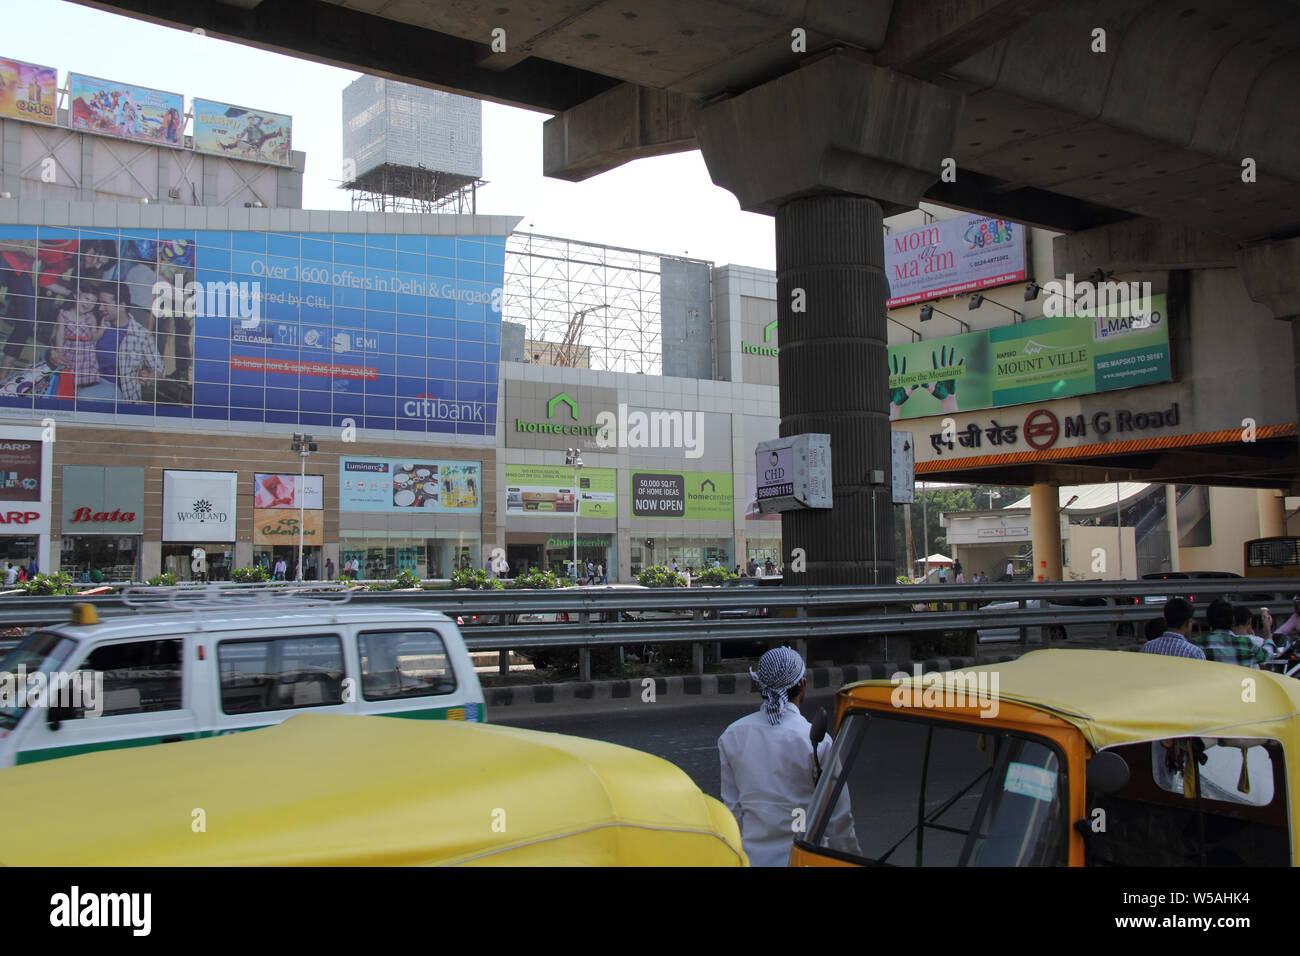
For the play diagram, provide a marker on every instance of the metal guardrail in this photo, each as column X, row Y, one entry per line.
column 793, row 614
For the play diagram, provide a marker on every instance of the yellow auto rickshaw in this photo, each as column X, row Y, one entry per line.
column 1062, row 757
column 328, row 789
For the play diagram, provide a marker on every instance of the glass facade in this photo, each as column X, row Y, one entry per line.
column 115, row 557
column 396, row 333
column 430, row 554
column 689, row 551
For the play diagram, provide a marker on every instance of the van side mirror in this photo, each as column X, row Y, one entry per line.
column 820, row 722
column 57, row 715
column 1107, row 772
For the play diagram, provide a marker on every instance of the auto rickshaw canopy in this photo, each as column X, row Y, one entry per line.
column 327, row 789
column 1117, row 697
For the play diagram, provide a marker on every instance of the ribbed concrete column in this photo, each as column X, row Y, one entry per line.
column 1171, row 524
column 1045, row 528
column 833, row 380
column 1272, row 516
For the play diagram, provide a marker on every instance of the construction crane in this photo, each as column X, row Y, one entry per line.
column 564, row 353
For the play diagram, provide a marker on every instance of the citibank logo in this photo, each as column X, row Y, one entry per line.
column 436, row 409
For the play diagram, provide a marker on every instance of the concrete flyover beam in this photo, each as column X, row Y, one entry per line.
column 622, row 124
column 1141, row 245
column 926, row 40
column 1271, row 273
column 836, row 125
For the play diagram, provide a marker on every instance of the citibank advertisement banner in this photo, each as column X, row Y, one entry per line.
column 400, row 485
column 951, row 256
column 242, row 133
column 1030, row 362
column 542, row 490
column 131, row 112
column 382, row 332
column 674, row 494
column 27, row 91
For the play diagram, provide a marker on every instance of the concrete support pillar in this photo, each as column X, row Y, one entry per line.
column 1272, row 517
column 1171, row 523
column 1271, row 274
column 1045, row 527
column 830, row 260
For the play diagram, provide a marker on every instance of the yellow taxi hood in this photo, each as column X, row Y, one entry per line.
column 1117, row 697
column 326, row 789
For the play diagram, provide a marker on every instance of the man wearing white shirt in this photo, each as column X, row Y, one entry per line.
column 768, row 769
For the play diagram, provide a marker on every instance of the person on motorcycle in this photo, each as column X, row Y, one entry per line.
column 1243, row 625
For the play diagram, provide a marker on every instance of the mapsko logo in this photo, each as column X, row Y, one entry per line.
column 432, row 408
column 203, row 512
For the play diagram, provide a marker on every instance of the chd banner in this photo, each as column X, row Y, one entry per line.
column 27, row 91
column 951, row 256
column 673, row 494
column 243, row 133
column 1030, row 362
column 543, row 490
column 131, row 112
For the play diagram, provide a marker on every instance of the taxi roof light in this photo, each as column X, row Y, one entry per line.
column 84, row 614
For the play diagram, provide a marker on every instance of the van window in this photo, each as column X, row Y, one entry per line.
column 397, row 664
column 281, row 674
column 140, row 677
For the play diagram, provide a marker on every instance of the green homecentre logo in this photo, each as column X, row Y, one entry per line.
column 545, row 428
column 769, row 350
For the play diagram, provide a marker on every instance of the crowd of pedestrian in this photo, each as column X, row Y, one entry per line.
column 1231, row 638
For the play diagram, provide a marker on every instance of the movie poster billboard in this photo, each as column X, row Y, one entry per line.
column 242, row 133
column 130, row 112
column 1056, row 357
column 28, row 91
column 949, row 256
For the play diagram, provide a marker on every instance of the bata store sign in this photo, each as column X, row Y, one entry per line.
column 199, row 505
column 102, row 500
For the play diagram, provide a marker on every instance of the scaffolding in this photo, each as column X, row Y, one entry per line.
column 550, row 280
column 391, row 188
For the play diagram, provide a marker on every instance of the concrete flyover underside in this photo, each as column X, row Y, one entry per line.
column 1068, row 114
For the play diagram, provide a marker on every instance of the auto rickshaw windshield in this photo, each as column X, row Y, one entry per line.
column 908, row 791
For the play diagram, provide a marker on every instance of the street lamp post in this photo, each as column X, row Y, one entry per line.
column 304, row 446
column 574, row 458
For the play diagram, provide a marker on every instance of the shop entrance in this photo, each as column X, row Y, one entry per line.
column 268, row 556
column 522, row 557
column 18, row 551
column 115, row 558
column 178, row 559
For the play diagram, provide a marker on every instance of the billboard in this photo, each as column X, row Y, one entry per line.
column 282, row 491
column 673, row 494
column 543, row 490
column 20, row 470
column 129, row 112
column 951, row 256
column 242, row 133
column 381, row 332
column 273, row 526
column 28, row 92
column 199, row 506
column 402, row 485
column 1033, row 361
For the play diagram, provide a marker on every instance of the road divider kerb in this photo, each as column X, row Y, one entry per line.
column 679, row 688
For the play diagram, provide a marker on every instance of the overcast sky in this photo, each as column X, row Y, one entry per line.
column 665, row 205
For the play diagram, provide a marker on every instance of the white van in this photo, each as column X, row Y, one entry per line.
column 219, row 664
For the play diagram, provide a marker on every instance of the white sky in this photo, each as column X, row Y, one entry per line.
column 666, row 205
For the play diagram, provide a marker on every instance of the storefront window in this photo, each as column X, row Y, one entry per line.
column 99, row 557
column 693, row 553
column 178, row 559
column 383, row 554
column 18, row 551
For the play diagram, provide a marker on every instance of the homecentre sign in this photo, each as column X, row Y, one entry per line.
column 769, row 350
column 561, row 424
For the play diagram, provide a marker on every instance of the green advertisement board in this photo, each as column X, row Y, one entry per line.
column 676, row 494
column 1033, row 361
column 549, row 490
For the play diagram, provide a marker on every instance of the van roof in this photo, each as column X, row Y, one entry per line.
column 208, row 619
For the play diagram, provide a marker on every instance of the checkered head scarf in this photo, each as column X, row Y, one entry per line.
column 778, row 670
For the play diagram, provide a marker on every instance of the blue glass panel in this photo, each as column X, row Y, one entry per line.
column 437, row 266
column 248, row 242
column 317, row 250
column 281, row 244
column 349, row 255
column 469, row 248
column 381, row 240
column 412, row 262
column 384, row 259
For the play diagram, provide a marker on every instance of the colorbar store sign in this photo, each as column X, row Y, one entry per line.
column 199, row 505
